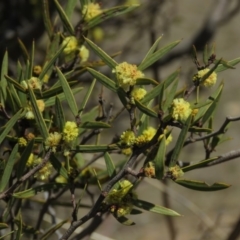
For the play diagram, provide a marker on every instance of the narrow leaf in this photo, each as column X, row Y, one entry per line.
column 160, row 159
column 211, row 108
column 24, row 158
column 158, row 89
column 60, row 117
column 8, row 168
column 66, row 23
column 71, row 4
column 109, row 13
column 86, row 97
column 3, row 225
column 110, row 165
column 146, row 81
column 61, row 96
column 200, row 164
column 3, row 81
column 16, row 84
column 24, row 49
column 53, row 91
column 96, row 148
column 20, row 226
column 68, row 93
column 222, row 67
column 46, row 18
column 154, row 208
column 152, row 49
column 157, row 55
column 94, row 125
column 205, row 55
column 31, row 60
column 170, row 96
column 58, row 166
column 10, row 124
column 49, row 64
column 201, row 186
column 180, row 141
column 105, row 81
column 42, row 188
column 145, row 109
column 38, row 115
column 104, row 56
column 53, row 230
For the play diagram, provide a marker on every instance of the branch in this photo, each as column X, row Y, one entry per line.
column 27, row 175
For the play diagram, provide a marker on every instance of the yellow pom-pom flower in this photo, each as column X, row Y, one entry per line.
column 127, row 151
column 181, row 109
column 71, row 45
column 33, row 83
column 175, row 172
column 22, row 142
column 210, row 81
column 44, row 172
column 70, row 131
column 53, row 140
column 41, row 105
column 91, row 10
column 138, row 93
column 146, row 136
column 37, row 70
column 149, row 133
column 83, row 53
column 127, row 74
column 127, row 138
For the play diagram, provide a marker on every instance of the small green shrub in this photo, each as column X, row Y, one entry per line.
column 44, row 150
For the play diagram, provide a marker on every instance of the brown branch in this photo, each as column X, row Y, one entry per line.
column 26, row 176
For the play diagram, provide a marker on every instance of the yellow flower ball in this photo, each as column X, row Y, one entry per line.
column 210, row 81
column 70, row 131
column 53, row 140
column 181, row 109
column 71, row 45
column 22, row 142
column 138, row 93
column 83, row 53
column 149, row 133
column 91, row 10
column 41, row 105
column 127, row 138
column 127, row 74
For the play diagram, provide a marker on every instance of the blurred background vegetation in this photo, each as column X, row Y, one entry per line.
column 212, row 215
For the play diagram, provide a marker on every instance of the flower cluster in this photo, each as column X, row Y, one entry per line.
column 53, row 140
column 91, row 10
column 138, row 93
column 149, row 170
column 146, row 136
column 33, row 83
column 83, row 53
column 71, row 45
column 127, row 74
column 41, row 106
column 127, row 138
column 22, row 142
column 210, row 81
column 70, row 131
column 180, row 109
column 44, row 172
column 175, row 172
column 121, row 199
